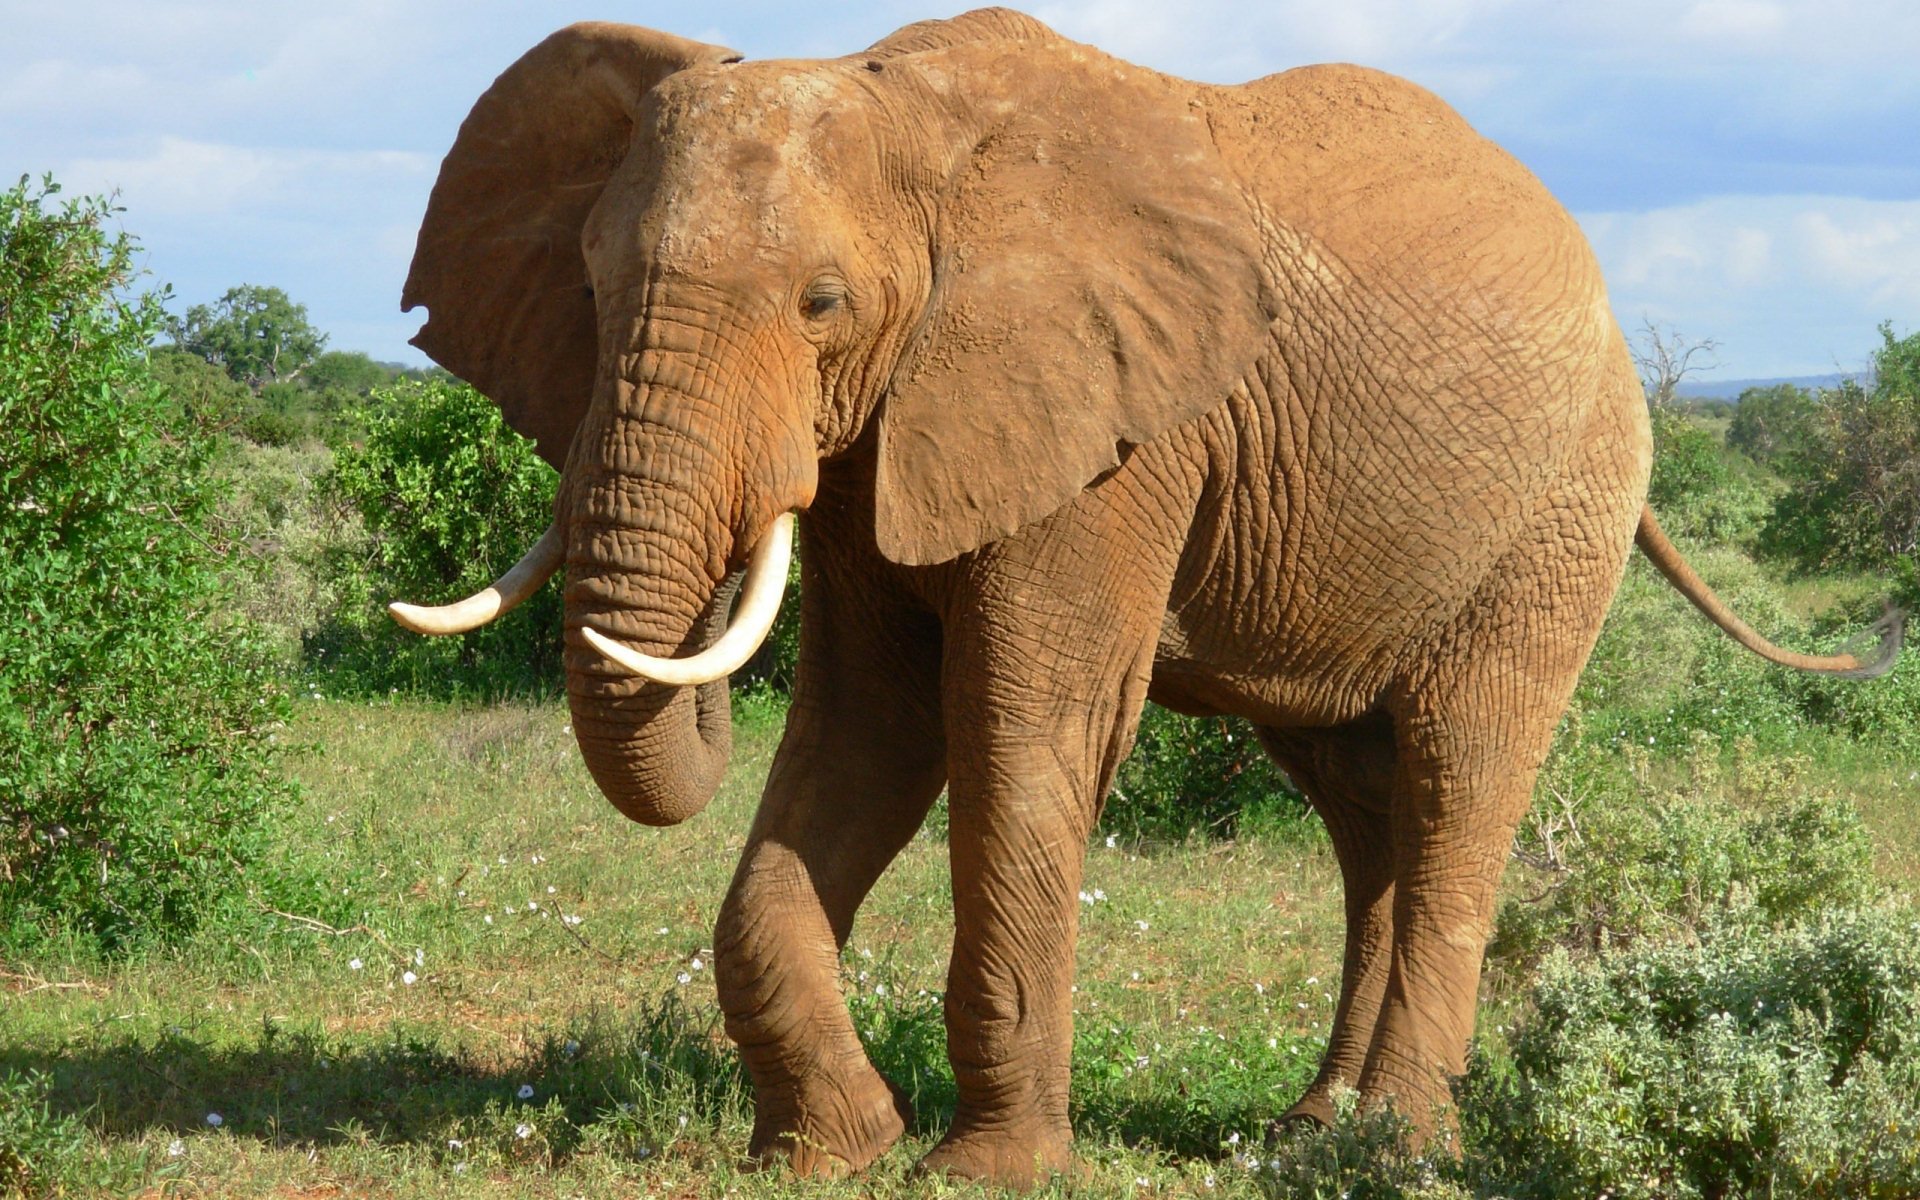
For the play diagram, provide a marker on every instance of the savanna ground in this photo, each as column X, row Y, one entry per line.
column 525, row 1004
column 529, row 1008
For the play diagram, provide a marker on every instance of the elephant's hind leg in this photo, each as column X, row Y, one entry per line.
column 862, row 760
column 1347, row 774
column 1471, row 730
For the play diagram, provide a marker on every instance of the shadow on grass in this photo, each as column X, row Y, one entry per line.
column 637, row 1084
column 409, row 1085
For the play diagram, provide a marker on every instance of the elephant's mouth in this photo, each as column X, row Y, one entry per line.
column 753, row 615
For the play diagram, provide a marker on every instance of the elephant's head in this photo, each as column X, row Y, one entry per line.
column 1003, row 256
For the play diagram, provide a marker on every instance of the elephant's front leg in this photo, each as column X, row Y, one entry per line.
column 861, row 763
column 1043, row 691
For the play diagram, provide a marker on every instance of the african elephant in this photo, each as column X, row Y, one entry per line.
column 1295, row 400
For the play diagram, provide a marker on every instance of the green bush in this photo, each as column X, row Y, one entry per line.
column 272, row 512
column 1661, row 673
column 1757, row 1061
column 1856, row 500
column 1618, row 857
column 448, row 497
column 1197, row 776
column 1367, row 1154
column 1774, row 427
column 137, row 716
column 210, row 397
column 1699, row 489
column 773, row 665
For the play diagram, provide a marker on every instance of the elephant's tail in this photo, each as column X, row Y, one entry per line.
column 1873, row 654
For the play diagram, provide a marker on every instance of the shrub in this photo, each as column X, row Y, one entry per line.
column 449, row 498
column 347, row 371
column 1774, row 427
column 1365, row 1155
column 1699, row 489
column 1858, row 501
column 1758, row 1061
column 137, row 764
column 1194, row 775
column 1621, row 858
column 210, row 397
column 274, row 515
column 772, row 667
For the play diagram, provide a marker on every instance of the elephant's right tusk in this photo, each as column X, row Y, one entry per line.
column 521, row 581
column 760, row 595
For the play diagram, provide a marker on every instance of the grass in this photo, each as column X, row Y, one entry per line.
column 470, row 841
column 485, row 925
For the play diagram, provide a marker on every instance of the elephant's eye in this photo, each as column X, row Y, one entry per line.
column 821, row 301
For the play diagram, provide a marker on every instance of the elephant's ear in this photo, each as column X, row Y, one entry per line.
column 498, row 263
column 1098, row 279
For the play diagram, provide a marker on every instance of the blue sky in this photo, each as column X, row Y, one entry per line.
column 1749, row 170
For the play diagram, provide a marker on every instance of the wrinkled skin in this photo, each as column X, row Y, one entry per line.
column 1295, row 400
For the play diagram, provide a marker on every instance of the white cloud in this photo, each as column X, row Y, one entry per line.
column 179, row 177
column 1789, row 285
column 1745, row 19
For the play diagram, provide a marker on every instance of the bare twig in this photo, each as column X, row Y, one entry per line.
column 575, row 934
column 43, row 985
column 317, row 926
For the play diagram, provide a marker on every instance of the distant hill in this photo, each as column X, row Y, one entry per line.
column 1730, row 389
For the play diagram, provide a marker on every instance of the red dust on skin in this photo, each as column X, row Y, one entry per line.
column 1295, row 400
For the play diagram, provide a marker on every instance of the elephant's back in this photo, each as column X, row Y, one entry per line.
column 1442, row 351
column 1374, row 166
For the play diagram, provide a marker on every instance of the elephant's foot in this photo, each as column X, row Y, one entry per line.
column 1314, row 1108
column 1015, row 1156
column 830, row 1133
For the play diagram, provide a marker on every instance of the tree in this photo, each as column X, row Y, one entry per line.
column 137, row 763
column 256, row 334
column 1665, row 359
column 347, row 371
column 1858, row 501
column 1773, row 426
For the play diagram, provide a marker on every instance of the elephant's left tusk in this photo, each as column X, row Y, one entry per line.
column 760, row 595
column 523, row 579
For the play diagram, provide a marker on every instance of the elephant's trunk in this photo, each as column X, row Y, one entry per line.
column 659, row 753
column 647, row 566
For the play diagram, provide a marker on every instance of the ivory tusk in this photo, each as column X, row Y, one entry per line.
column 752, row 620
column 521, row 581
